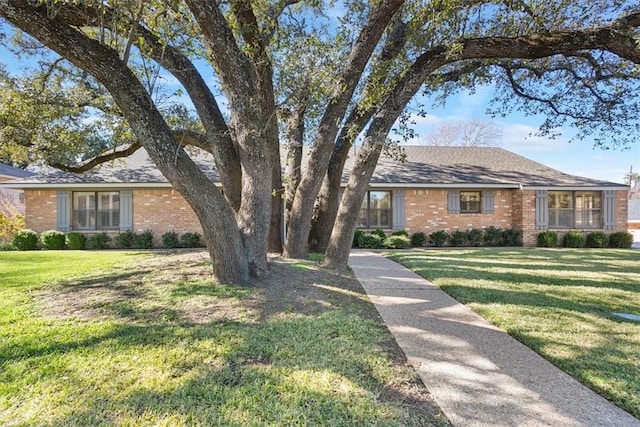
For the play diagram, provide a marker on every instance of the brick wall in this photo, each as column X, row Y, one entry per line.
column 426, row 211
column 40, row 210
column 162, row 210
column 158, row 210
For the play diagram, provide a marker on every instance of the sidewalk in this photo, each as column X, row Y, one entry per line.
column 478, row 374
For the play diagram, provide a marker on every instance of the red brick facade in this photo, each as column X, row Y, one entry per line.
column 162, row 210
column 158, row 210
column 426, row 211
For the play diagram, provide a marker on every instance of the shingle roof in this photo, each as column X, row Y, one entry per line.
column 11, row 171
column 423, row 166
column 474, row 165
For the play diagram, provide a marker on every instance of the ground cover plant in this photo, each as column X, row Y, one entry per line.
column 148, row 339
column 558, row 302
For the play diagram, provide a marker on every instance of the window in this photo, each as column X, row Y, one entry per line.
column 575, row 209
column 376, row 210
column 470, row 201
column 96, row 210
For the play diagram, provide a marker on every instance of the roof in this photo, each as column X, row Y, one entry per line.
column 424, row 167
column 7, row 170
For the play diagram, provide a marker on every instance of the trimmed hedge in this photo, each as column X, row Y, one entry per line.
column 76, row 241
column 170, row 240
column 573, row 239
column 52, row 240
column 621, row 240
column 418, row 239
column 438, row 238
column 98, row 241
column 370, row 241
column 25, row 240
column 190, row 240
column 397, row 242
column 143, row 240
column 547, row 239
column 458, row 238
column 597, row 239
column 493, row 236
column 474, row 236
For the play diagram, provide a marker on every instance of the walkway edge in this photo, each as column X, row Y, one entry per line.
column 477, row 373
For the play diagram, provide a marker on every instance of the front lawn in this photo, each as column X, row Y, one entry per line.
column 558, row 302
column 116, row 338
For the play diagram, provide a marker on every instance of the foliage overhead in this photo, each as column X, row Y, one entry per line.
column 111, row 77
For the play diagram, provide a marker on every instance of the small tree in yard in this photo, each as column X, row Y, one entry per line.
column 287, row 65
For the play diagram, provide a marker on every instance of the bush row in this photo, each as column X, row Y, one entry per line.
column 490, row 236
column 28, row 240
column 577, row 239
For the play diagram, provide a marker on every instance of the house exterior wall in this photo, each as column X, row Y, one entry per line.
column 426, row 211
column 40, row 210
column 158, row 210
column 162, row 210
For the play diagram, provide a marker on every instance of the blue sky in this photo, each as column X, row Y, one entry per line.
column 578, row 157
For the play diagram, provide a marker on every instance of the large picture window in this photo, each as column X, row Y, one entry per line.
column 575, row 209
column 96, row 210
column 470, row 201
column 376, row 210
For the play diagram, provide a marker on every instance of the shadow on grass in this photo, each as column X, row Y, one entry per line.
column 306, row 348
column 531, row 296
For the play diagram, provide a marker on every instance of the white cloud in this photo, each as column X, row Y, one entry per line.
column 521, row 138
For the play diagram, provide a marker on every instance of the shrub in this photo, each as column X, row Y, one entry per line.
column 356, row 238
column 475, row 237
column 170, row 240
column 52, row 240
column 397, row 242
column 400, row 233
column 438, row 238
column 621, row 239
column 5, row 247
column 370, row 241
column 418, row 239
column 493, row 236
column 98, row 241
column 25, row 240
column 143, row 240
column 512, row 237
column 573, row 239
column 380, row 233
column 458, row 238
column 190, row 240
column 76, row 241
column 597, row 239
column 125, row 240
column 9, row 226
column 547, row 239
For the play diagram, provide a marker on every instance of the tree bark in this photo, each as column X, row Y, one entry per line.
column 230, row 263
column 297, row 243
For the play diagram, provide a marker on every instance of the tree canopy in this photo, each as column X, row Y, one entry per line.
column 239, row 78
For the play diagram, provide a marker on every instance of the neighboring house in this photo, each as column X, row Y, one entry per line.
column 437, row 188
column 634, row 214
column 11, row 200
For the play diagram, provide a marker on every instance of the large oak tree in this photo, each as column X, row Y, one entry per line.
column 290, row 70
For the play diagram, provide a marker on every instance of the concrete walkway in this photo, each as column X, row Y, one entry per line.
column 478, row 374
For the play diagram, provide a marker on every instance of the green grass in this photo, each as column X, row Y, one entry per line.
column 140, row 363
column 558, row 302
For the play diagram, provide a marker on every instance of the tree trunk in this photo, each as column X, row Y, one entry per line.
column 228, row 256
column 297, row 243
column 337, row 253
column 328, row 201
column 293, row 165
